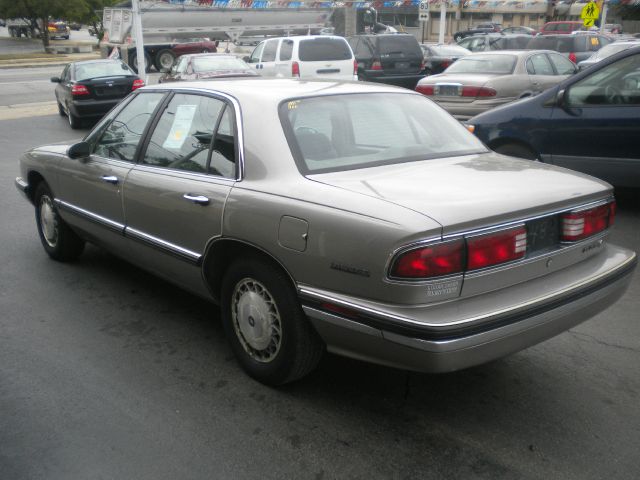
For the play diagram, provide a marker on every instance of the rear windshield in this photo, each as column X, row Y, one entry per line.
column 448, row 50
column 346, row 132
column 498, row 64
column 211, row 64
column 394, row 44
column 612, row 48
column 321, row 49
column 102, row 69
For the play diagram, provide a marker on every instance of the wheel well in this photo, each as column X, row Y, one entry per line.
column 221, row 254
column 33, row 179
column 512, row 141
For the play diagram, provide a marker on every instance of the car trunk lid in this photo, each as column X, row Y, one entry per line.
column 106, row 88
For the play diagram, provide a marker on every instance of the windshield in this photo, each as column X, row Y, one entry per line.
column 102, row 69
column 345, row 132
column 496, row 64
column 209, row 64
column 612, row 48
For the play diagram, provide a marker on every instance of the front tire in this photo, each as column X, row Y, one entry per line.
column 269, row 333
column 165, row 60
column 59, row 241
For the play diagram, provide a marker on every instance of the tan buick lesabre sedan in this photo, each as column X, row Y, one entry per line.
column 359, row 219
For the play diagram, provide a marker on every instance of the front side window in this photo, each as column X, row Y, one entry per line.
column 344, row 132
column 255, row 55
column 615, row 84
column 121, row 137
column 186, row 132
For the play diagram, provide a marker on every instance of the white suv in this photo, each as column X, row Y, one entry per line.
column 321, row 56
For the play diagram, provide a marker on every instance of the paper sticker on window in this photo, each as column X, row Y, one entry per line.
column 180, row 127
column 594, row 41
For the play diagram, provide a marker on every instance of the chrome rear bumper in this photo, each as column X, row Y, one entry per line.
column 383, row 336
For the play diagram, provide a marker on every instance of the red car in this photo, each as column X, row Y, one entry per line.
column 166, row 58
column 560, row 27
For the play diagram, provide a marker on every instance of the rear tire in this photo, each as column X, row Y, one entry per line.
column 269, row 333
column 165, row 60
column 517, row 150
column 59, row 241
column 147, row 63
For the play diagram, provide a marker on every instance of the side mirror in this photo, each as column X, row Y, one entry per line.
column 79, row 150
column 55, row 79
column 561, row 98
column 247, row 59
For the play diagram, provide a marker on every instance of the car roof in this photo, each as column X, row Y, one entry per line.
column 102, row 60
column 305, row 37
column 518, row 53
column 278, row 89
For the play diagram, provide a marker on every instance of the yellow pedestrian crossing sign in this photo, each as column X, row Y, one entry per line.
column 590, row 13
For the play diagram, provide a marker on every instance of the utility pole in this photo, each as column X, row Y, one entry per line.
column 603, row 17
column 137, row 32
column 443, row 20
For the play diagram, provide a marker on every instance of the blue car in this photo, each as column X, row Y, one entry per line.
column 590, row 122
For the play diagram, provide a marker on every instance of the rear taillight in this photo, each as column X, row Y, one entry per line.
column 79, row 90
column 572, row 57
column 431, row 261
column 445, row 64
column 295, row 69
column 355, row 67
column 495, row 248
column 581, row 224
column 138, row 83
column 425, row 89
column 376, row 65
column 423, row 66
column 478, row 92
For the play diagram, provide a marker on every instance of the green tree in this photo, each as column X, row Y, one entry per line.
column 92, row 14
column 38, row 12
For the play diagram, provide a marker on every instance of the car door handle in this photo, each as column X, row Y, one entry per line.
column 109, row 179
column 199, row 199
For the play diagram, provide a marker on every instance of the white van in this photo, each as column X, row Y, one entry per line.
column 320, row 56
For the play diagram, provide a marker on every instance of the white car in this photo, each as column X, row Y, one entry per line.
column 313, row 56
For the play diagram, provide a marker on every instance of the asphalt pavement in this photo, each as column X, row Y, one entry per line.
column 107, row 372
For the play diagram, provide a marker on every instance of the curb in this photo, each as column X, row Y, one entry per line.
column 58, row 62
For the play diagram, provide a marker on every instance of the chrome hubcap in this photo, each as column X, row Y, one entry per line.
column 48, row 221
column 256, row 320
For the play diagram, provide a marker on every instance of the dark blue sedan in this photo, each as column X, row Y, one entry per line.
column 590, row 122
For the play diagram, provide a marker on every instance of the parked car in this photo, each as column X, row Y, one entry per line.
column 561, row 27
column 58, row 29
column 89, row 89
column 521, row 30
column 395, row 59
column 75, row 26
column 305, row 56
column 480, row 28
column 437, row 57
column 357, row 218
column 614, row 28
column 575, row 47
column 590, row 122
column 481, row 81
column 165, row 59
column 498, row 41
column 203, row 66
column 607, row 51
column 3, row 23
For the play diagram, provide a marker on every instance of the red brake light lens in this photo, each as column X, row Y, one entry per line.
column 355, row 67
column 78, row 90
column 583, row 224
column 376, row 65
column 425, row 89
column 431, row 261
column 495, row 248
column 572, row 57
column 478, row 92
column 295, row 69
column 138, row 83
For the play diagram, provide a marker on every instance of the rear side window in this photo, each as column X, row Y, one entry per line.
column 269, row 53
column 395, row 44
column 539, row 65
column 321, row 49
column 562, row 64
column 552, row 27
column 286, row 50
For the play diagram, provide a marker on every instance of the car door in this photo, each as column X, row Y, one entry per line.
column 174, row 197
column 254, row 58
column 284, row 55
column 63, row 89
column 90, row 190
column 268, row 59
column 596, row 130
column 541, row 72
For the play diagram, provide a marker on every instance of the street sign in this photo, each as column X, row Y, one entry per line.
column 423, row 15
column 590, row 13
